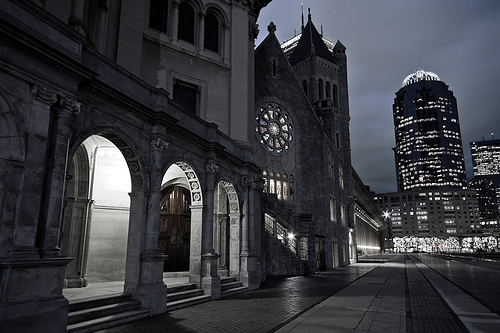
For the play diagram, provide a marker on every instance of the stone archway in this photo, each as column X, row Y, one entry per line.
column 227, row 229
column 97, row 211
column 181, row 220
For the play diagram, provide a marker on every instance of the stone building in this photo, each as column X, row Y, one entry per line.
column 302, row 145
column 142, row 137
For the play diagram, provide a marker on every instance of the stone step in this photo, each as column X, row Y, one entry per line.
column 233, row 291
column 225, row 279
column 180, row 287
column 101, row 311
column 184, row 303
column 94, row 302
column 171, row 297
column 107, row 321
column 230, row 285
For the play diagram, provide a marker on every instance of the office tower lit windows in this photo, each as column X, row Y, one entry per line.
column 428, row 150
column 486, row 163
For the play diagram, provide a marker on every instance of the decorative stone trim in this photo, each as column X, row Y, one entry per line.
column 159, row 144
column 212, row 167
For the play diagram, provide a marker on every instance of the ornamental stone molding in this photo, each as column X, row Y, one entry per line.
column 159, row 144
column 52, row 98
column 212, row 167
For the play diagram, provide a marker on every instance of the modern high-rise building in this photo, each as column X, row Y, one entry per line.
column 428, row 150
column 486, row 162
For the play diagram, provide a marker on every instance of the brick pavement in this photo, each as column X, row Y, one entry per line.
column 427, row 311
column 402, row 298
column 277, row 302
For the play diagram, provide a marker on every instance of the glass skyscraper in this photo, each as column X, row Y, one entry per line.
column 428, row 152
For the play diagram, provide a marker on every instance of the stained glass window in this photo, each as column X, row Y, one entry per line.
column 274, row 128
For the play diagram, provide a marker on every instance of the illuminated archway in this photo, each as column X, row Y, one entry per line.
column 227, row 228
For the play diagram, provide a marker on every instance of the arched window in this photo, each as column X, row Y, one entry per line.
column 328, row 90
column 211, row 33
column 335, row 96
column 280, row 185
column 158, row 14
column 186, row 23
column 304, row 86
column 320, row 89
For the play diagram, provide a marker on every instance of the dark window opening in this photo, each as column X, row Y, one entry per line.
column 186, row 23
column 304, row 86
column 186, row 95
column 158, row 14
column 211, row 33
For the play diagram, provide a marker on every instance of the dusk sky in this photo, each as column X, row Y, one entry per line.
column 387, row 40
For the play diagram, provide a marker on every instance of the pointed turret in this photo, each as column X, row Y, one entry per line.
column 310, row 42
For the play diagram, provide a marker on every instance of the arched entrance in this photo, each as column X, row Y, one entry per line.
column 96, row 216
column 181, row 192
column 175, row 228
column 227, row 229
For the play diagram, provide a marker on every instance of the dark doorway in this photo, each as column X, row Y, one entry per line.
column 175, row 228
column 319, row 242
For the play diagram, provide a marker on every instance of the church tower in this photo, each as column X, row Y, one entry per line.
column 302, row 146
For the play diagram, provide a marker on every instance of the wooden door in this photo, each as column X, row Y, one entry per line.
column 175, row 228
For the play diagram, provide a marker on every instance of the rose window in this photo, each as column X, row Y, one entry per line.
column 274, row 128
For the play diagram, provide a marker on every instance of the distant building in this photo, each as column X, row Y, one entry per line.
column 432, row 197
column 431, row 213
column 486, row 161
column 486, row 165
column 428, row 150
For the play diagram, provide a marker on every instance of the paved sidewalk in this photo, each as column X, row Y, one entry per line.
column 400, row 295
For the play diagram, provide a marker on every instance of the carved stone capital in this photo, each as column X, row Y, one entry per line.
column 159, row 144
column 44, row 95
column 212, row 167
column 68, row 104
column 247, row 182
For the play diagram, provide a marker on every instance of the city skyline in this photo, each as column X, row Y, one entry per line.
column 389, row 40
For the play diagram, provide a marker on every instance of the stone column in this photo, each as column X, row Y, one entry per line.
column 102, row 25
column 175, row 20
column 250, row 248
column 76, row 16
column 48, row 233
column 31, row 281
column 152, row 290
column 225, row 46
column 210, row 281
column 201, row 41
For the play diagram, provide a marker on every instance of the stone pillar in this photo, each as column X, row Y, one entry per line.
column 32, row 282
column 101, row 25
column 225, row 46
column 76, row 240
column 250, row 248
column 210, row 281
column 175, row 20
column 76, row 16
column 201, row 41
column 152, row 290
column 48, row 233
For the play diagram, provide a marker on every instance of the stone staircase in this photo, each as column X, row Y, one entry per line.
column 91, row 315
column 184, row 295
column 97, row 314
column 229, row 286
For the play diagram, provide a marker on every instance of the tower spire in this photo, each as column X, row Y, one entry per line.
column 302, row 5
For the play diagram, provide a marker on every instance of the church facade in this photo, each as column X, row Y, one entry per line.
column 143, row 137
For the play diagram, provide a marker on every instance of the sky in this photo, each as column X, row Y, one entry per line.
column 386, row 40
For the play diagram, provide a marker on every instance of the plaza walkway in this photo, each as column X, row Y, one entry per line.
column 408, row 293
